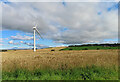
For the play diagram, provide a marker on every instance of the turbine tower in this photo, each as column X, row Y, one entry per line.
column 35, row 30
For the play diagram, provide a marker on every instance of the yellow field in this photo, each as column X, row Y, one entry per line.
column 46, row 59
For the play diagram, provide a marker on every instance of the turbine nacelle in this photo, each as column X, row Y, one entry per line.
column 34, row 28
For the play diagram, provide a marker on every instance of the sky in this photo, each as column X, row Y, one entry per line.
column 60, row 23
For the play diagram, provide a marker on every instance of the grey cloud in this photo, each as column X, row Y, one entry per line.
column 0, row 16
column 81, row 20
column 37, row 45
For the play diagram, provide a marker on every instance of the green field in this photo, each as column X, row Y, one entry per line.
column 88, row 73
column 89, row 48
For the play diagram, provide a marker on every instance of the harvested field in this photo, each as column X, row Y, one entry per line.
column 47, row 59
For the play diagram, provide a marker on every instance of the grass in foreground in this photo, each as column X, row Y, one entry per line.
column 89, row 48
column 86, row 73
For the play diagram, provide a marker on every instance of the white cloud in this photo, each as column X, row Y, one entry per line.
column 1, row 44
column 81, row 20
column 61, row 46
column 19, row 37
column 60, row 41
column 12, row 42
column 1, row 40
column 6, row 39
column 21, row 41
column 109, row 42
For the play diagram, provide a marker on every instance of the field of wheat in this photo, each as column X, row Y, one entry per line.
column 54, row 64
column 47, row 59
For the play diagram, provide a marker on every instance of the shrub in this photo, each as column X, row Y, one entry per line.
column 3, row 50
column 98, row 48
column 70, row 49
column 85, row 49
column 33, row 48
column 52, row 50
column 61, row 49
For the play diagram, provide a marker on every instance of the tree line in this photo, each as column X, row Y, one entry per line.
column 104, row 45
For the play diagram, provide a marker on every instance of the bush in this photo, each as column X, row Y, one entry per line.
column 3, row 50
column 61, row 49
column 70, row 49
column 52, row 50
column 33, row 48
column 98, row 48
column 85, row 49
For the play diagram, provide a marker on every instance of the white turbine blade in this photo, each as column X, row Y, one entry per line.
column 38, row 33
column 36, row 25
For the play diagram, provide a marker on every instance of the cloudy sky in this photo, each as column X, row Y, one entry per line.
column 60, row 23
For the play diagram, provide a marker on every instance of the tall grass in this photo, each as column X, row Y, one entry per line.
column 60, row 65
column 83, row 73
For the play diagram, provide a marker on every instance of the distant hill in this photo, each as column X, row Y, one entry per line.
column 16, row 48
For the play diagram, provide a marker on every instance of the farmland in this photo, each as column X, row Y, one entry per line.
column 60, row 65
column 89, row 48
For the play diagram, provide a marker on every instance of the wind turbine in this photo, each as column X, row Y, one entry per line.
column 35, row 30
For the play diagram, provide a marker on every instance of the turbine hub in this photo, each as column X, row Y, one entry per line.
column 34, row 27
